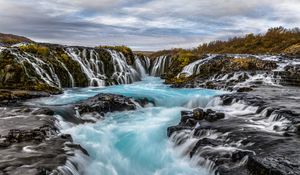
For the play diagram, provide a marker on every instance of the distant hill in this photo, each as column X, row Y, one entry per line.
column 146, row 53
column 10, row 39
column 276, row 40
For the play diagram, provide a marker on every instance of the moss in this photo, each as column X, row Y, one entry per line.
column 64, row 57
column 106, row 58
column 36, row 49
column 74, row 68
column 126, row 51
column 223, row 66
column 14, row 76
column 293, row 50
column 45, row 88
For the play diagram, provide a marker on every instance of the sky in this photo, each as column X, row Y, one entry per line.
column 144, row 24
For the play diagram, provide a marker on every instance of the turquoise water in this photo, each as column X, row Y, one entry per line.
column 135, row 142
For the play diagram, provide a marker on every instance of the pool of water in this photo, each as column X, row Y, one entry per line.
column 135, row 142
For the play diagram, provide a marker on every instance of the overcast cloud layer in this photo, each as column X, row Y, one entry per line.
column 143, row 24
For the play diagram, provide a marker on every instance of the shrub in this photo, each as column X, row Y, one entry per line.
column 36, row 49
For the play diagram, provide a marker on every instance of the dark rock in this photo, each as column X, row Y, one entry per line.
column 78, row 147
column 244, row 89
column 238, row 155
column 173, row 129
column 145, row 101
column 290, row 76
column 45, row 111
column 212, row 117
column 233, row 146
column 298, row 128
column 103, row 103
column 202, row 143
column 198, row 114
column 208, row 111
column 190, row 122
column 32, row 144
column 185, row 115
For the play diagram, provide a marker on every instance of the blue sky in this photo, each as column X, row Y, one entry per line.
column 144, row 24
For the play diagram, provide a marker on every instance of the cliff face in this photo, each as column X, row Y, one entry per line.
column 44, row 67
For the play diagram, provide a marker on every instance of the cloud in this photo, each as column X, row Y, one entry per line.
column 144, row 24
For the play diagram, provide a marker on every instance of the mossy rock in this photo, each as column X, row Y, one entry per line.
column 74, row 68
column 126, row 51
column 36, row 49
column 293, row 50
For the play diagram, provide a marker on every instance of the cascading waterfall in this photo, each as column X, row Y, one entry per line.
column 140, row 67
column 123, row 73
column 160, row 65
column 67, row 70
column 38, row 66
column 49, row 69
column 93, row 76
column 194, row 67
column 1, row 49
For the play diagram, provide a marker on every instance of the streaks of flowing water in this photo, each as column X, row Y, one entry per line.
column 135, row 142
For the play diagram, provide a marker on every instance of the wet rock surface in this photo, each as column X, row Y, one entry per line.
column 94, row 108
column 13, row 97
column 243, row 73
column 256, row 136
column 31, row 143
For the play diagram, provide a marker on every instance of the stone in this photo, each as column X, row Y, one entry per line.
column 212, row 117
column 198, row 114
column 44, row 111
column 244, row 89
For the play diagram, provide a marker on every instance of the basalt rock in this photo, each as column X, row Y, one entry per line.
column 12, row 97
column 30, row 142
column 100, row 104
column 290, row 76
column 237, row 144
column 224, row 72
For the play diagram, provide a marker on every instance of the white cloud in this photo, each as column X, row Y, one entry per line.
column 146, row 25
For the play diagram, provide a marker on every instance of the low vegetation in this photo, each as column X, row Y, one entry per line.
column 9, row 39
column 126, row 51
column 275, row 41
column 36, row 49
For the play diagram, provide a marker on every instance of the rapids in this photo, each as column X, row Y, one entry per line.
column 135, row 142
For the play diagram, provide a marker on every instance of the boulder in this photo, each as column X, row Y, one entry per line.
column 198, row 114
column 103, row 103
column 212, row 117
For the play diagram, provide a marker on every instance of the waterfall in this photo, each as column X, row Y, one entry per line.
column 160, row 65
column 139, row 66
column 54, row 72
column 123, row 73
column 70, row 75
column 1, row 49
column 81, row 57
column 38, row 65
column 194, row 67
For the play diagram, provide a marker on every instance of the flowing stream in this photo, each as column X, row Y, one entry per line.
column 135, row 142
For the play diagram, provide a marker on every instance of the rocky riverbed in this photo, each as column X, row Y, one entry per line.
column 255, row 129
column 31, row 141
